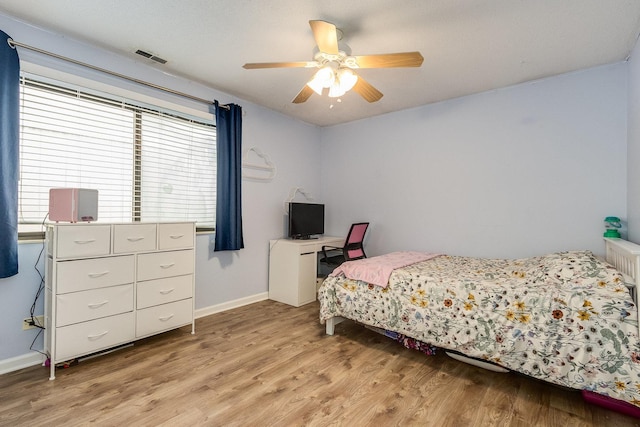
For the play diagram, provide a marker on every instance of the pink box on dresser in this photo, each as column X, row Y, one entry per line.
column 73, row 204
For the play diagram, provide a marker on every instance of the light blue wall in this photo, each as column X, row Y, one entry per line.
column 523, row 170
column 221, row 278
column 633, row 152
column 294, row 148
column 17, row 293
column 514, row 172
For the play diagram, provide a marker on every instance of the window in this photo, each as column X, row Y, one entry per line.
column 147, row 164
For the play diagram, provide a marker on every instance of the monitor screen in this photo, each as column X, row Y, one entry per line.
column 305, row 220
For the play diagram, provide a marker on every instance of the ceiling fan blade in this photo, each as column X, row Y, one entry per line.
column 368, row 92
column 303, row 95
column 300, row 64
column 326, row 36
column 389, row 60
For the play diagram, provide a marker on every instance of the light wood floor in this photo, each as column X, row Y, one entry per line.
column 268, row 364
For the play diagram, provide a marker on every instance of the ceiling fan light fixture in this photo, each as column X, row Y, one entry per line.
column 324, row 78
column 335, row 90
column 315, row 85
column 347, row 79
column 335, row 65
column 344, row 81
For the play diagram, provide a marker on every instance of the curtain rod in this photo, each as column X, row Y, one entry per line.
column 14, row 43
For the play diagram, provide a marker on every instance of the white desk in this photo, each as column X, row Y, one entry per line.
column 293, row 268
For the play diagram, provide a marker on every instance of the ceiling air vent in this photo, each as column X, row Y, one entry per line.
column 151, row 56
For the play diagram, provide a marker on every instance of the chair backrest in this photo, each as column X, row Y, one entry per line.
column 354, row 248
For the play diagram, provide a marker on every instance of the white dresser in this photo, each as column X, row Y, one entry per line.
column 111, row 284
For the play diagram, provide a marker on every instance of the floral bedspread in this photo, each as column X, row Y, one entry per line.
column 566, row 318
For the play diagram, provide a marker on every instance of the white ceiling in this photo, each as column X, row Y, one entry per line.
column 469, row 46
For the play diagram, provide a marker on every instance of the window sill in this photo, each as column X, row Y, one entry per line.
column 30, row 233
column 30, row 240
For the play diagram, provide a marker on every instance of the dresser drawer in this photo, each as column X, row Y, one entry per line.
column 165, row 264
column 85, row 274
column 175, row 236
column 88, row 337
column 164, row 317
column 134, row 238
column 79, row 307
column 83, row 241
column 162, row 291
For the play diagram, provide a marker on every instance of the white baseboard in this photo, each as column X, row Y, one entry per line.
column 21, row 362
column 34, row 358
column 202, row 312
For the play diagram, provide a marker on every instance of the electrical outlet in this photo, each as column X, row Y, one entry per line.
column 27, row 323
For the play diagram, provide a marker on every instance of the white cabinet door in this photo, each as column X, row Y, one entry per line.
column 307, row 278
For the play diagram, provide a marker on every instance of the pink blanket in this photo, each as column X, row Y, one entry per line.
column 378, row 269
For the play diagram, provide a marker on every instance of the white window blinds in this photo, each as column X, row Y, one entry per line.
column 147, row 164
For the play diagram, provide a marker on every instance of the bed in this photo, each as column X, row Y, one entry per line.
column 568, row 318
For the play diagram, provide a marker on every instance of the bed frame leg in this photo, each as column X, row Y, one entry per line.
column 331, row 324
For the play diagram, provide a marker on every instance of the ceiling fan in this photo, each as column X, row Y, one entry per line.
column 336, row 67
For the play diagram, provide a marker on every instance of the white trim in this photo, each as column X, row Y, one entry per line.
column 202, row 312
column 21, row 362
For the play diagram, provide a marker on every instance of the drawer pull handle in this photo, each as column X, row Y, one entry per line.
column 97, row 336
column 135, row 239
column 96, row 275
column 166, row 291
column 97, row 304
column 165, row 266
column 176, row 236
column 165, row 318
column 83, row 242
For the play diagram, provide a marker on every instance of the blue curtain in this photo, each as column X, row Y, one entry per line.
column 229, row 187
column 9, row 144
